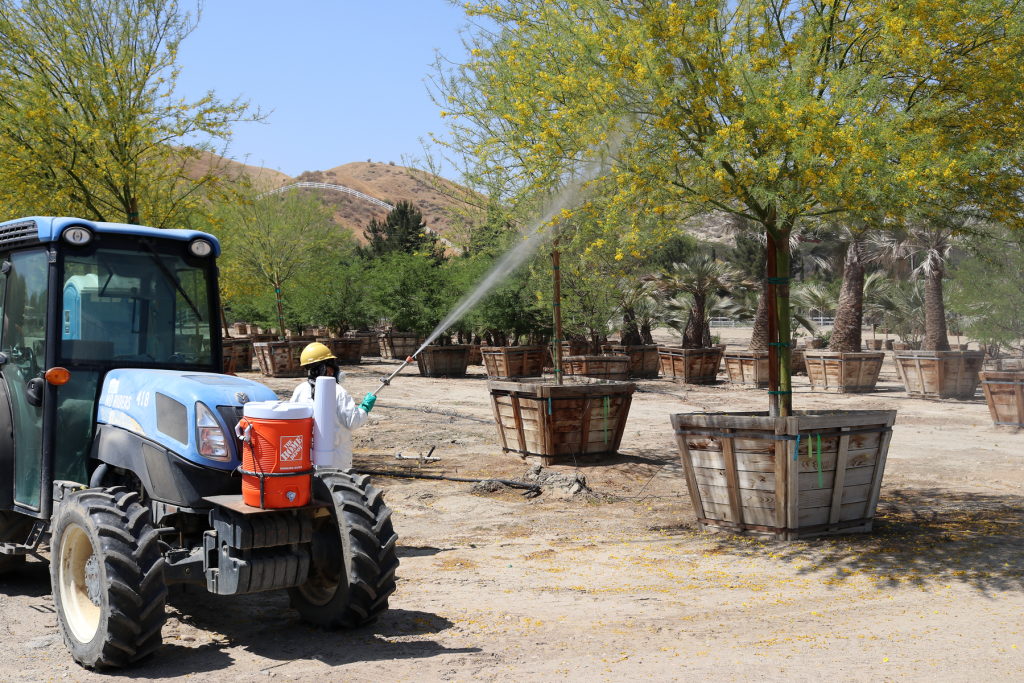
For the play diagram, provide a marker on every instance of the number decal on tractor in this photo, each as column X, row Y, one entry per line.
column 142, row 399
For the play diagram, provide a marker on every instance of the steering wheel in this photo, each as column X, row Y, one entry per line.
column 177, row 358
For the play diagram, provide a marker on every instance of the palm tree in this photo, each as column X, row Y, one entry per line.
column 901, row 307
column 699, row 279
column 677, row 313
column 929, row 245
column 639, row 312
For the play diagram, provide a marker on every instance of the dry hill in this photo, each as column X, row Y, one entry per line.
column 389, row 183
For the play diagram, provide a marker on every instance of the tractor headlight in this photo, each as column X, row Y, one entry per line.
column 210, row 439
column 200, row 248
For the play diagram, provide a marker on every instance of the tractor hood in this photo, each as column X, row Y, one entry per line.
column 160, row 405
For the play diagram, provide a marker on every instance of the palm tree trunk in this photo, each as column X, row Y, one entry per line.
column 695, row 330
column 630, row 333
column 936, row 338
column 850, row 311
column 759, row 339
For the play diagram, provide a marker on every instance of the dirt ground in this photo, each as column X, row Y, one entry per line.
column 618, row 585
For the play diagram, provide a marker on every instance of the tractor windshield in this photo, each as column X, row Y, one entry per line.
column 136, row 302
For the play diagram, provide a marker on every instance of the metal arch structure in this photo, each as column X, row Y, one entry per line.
column 360, row 195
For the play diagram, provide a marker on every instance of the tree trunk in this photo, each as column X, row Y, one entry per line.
column 280, row 307
column 935, row 336
column 630, row 332
column 783, row 330
column 759, row 339
column 850, row 310
column 694, row 338
column 645, row 334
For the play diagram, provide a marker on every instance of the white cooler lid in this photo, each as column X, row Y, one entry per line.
column 277, row 410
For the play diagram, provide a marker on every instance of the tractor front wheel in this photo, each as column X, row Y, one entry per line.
column 107, row 574
column 352, row 572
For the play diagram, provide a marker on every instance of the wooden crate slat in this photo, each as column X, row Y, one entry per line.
column 735, row 493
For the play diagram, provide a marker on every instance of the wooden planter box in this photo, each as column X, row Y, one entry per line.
column 502, row 362
column 939, row 374
column 690, row 366
column 475, row 357
column 573, row 348
column 815, row 343
column 614, row 368
column 279, row 358
column 906, row 346
column 241, row 329
column 347, row 351
column 1003, row 364
column 398, row 345
column 843, row 373
column 873, row 344
column 747, row 367
column 1004, row 393
column 241, row 351
column 444, row 361
column 580, row 418
column 748, row 473
column 798, row 362
column 643, row 359
column 369, row 339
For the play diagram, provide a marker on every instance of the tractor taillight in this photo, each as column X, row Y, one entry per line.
column 210, row 440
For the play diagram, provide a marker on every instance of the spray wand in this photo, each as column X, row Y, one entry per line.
column 387, row 380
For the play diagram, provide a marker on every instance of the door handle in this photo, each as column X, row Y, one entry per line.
column 34, row 392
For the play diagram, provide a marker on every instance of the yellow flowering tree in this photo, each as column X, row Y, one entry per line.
column 90, row 124
column 777, row 111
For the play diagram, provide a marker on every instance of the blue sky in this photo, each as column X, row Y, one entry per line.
column 345, row 78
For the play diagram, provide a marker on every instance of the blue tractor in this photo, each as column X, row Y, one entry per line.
column 118, row 446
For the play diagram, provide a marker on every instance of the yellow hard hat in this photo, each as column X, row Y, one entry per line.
column 315, row 353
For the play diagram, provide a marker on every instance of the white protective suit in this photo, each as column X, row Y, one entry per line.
column 349, row 416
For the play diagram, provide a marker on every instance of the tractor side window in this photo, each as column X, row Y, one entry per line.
column 3, row 293
column 24, row 339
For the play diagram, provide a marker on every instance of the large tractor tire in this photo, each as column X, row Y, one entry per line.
column 107, row 574
column 352, row 572
column 14, row 528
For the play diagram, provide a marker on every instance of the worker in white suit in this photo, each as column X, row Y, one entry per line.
column 320, row 362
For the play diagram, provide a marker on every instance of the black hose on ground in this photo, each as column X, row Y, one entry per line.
column 440, row 411
column 466, row 480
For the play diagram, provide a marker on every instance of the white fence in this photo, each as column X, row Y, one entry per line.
column 729, row 322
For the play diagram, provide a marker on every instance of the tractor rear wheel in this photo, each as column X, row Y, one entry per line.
column 352, row 572
column 107, row 574
column 14, row 528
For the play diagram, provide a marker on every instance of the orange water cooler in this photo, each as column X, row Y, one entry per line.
column 276, row 468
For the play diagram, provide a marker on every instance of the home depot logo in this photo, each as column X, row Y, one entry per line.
column 291, row 451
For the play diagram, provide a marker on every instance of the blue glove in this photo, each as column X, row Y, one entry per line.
column 368, row 402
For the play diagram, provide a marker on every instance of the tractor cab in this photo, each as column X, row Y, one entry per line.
column 81, row 299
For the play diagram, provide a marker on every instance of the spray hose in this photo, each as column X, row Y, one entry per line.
column 387, row 380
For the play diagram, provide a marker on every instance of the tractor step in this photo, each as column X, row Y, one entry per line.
column 31, row 545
